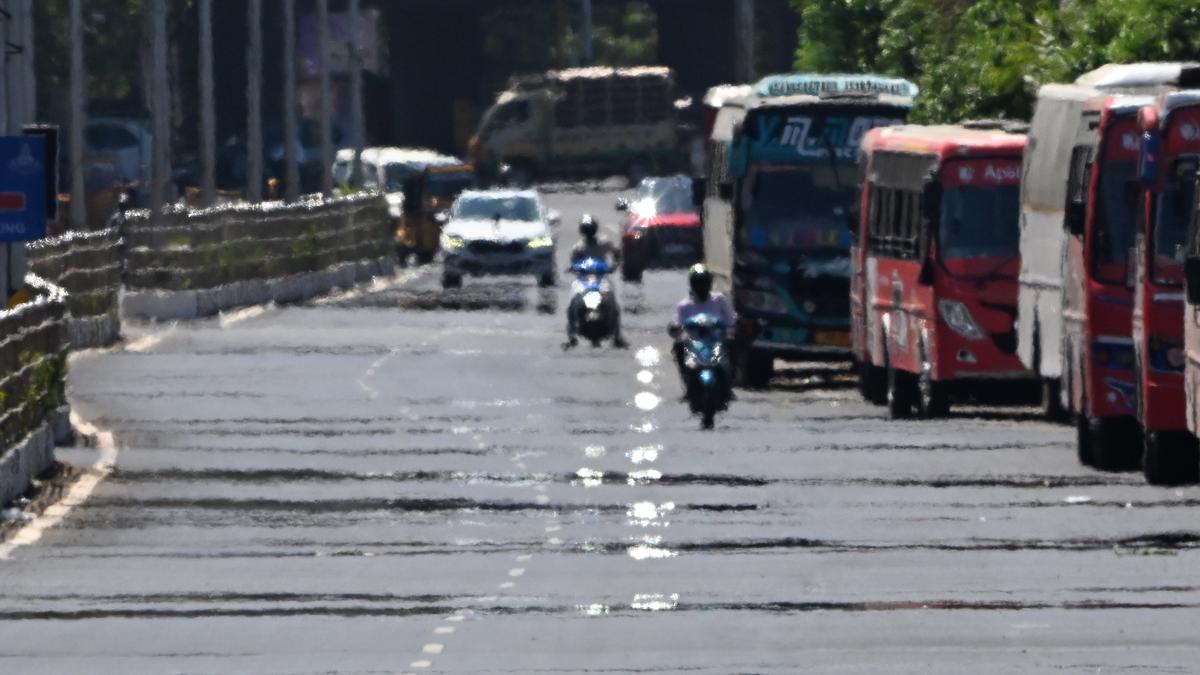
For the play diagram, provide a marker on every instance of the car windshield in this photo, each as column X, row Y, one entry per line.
column 448, row 185
column 1170, row 230
column 978, row 222
column 665, row 197
column 481, row 207
column 394, row 175
column 797, row 209
column 1114, row 226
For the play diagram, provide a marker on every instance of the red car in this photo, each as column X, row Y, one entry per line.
column 662, row 227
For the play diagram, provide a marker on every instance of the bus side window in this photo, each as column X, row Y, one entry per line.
column 1077, row 188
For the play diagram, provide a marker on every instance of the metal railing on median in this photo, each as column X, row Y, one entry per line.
column 199, row 249
column 33, row 351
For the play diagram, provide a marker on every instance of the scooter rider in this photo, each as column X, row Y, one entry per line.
column 592, row 245
column 701, row 300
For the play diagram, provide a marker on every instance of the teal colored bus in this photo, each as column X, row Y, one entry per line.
column 780, row 196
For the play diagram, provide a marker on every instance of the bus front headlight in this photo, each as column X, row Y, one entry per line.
column 958, row 317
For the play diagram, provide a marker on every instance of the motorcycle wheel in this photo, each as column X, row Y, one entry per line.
column 708, row 420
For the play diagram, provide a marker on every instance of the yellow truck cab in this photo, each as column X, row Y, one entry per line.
column 582, row 121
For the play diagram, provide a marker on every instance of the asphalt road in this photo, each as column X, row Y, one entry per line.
column 401, row 480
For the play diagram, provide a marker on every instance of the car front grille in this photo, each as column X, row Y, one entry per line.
column 484, row 247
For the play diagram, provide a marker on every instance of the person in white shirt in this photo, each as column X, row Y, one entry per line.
column 700, row 300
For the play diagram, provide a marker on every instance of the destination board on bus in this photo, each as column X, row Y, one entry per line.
column 787, row 137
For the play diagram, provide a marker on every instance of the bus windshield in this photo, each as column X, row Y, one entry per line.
column 979, row 222
column 1116, row 215
column 1170, row 231
column 797, row 209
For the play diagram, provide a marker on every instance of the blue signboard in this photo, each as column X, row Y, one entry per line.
column 22, row 188
column 796, row 138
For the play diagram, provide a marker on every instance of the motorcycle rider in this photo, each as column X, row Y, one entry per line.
column 701, row 300
column 592, row 245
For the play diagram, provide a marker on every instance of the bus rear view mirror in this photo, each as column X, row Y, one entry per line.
column 1191, row 270
column 1076, row 212
column 925, row 277
column 931, row 201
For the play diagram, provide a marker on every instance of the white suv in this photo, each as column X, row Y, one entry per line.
column 498, row 232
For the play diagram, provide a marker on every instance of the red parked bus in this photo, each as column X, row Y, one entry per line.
column 934, row 282
column 1097, row 301
column 1170, row 150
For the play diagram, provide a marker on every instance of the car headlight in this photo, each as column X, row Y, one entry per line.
column 541, row 242
column 958, row 317
column 451, row 242
column 592, row 299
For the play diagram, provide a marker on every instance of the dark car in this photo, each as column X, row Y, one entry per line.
column 662, row 227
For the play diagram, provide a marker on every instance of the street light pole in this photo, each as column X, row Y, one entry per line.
column 326, row 99
column 254, row 135
column 208, row 130
column 77, row 119
column 357, row 123
column 290, row 131
column 585, row 32
column 160, row 105
column 743, row 21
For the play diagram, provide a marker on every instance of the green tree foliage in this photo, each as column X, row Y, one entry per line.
column 986, row 58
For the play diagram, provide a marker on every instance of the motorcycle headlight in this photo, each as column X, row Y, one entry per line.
column 707, row 376
column 541, row 242
column 395, row 211
column 592, row 300
column 451, row 242
column 958, row 317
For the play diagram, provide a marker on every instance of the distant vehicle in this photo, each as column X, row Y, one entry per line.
column 662, row 226
column 427, row 195
column 582, row 121
column 779, row 206
column 499, row 232
column 1170, row 157
column 594, row 319
column 431, row 178
column 127, row 139
column 706, row 367
column 933, row 293
column 1058, row 199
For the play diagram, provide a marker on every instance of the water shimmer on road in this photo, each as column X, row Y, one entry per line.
column 401, row 480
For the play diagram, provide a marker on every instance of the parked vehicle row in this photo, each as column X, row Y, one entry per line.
column 1060, row 257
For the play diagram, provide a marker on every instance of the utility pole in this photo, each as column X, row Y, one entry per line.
column 160, row 109
column 357, row 123
column 77, row 119
column 326, row 99
column 585, row 32
column 743, row 21
column 254, row 133
column 208, row 124
column 290, row 131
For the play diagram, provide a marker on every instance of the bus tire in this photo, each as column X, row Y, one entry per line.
column 872, row 383
column 1052, row 407
column 757, row 368
column 1116, row 444
column 1170, row 458
column 1083, row 439
column 899, row 393
column 933, row 399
